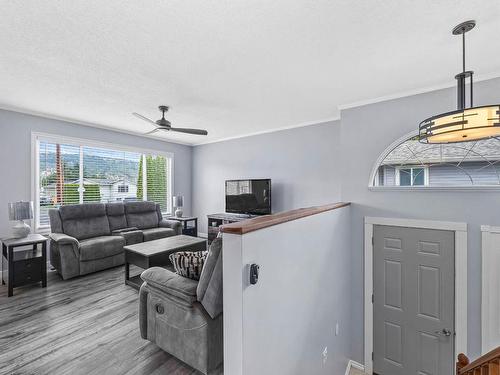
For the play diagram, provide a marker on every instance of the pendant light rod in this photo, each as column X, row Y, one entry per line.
column 463, row 53
column 461, row 29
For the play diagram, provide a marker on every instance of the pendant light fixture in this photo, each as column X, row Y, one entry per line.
column 466, row 123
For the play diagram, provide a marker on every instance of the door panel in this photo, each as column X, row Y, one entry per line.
column 413, row 272
column 394, row 284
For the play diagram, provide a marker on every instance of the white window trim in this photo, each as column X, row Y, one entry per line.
column 412, row 167
column 392, row 146
column 36, row 137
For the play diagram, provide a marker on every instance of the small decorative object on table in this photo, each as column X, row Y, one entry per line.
column 22, row 267
column 20, row 211
column 178, row 203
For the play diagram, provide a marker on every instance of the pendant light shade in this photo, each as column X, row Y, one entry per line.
column 464, row 124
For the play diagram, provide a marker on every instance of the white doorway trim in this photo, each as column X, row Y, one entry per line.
column 489, row 282
column 460, row 230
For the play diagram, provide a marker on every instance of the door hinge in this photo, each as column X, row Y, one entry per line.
column 373, row 298
column 373, row 241
column 373, row 356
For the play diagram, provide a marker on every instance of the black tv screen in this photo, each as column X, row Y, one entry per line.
column 251, row 197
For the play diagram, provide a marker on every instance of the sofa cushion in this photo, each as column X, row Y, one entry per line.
column 171, row 283
column 131, row 236
column 142, row 215
column 156, row 233
column 209, row 290
column 116, row 216
column 188, row 263
column 101, row 247
column 55, row 221
column 84, row 220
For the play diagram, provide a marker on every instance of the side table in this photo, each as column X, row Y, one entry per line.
column 22, row 267
column 187, row 228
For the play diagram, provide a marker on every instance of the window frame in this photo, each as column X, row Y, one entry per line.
column 37, row 137
column 123, row 188
column 376, row 187
column 412, row 167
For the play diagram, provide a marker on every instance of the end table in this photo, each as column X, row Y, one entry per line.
column 24, row 267
column 187, row 229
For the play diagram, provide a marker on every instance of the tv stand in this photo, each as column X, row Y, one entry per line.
column 216, row 220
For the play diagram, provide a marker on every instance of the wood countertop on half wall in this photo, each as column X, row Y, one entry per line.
column 251, row 225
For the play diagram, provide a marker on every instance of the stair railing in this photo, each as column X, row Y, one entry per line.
column 488, row 364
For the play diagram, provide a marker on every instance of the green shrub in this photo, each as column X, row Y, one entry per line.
column 71, row 195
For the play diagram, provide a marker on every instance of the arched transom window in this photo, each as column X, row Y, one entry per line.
column 413, row 164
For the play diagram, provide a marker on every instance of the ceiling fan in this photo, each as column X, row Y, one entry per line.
column 164, row 124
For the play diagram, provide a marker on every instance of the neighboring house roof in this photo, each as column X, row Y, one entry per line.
column 414, row 152
column 101, row 181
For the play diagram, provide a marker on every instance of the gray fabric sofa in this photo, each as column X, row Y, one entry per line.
column 184, row 316
column 90, row 237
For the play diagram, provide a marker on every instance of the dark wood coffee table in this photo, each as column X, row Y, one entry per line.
column 155, row 253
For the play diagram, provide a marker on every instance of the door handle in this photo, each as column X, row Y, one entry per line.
column 444, row 332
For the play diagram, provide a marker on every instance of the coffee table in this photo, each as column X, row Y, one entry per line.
column 155, row 253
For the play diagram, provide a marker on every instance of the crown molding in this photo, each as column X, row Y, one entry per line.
column 274, row 130
column 404, row 94
column 84, row 123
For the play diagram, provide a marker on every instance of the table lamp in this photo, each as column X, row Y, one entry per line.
column 20, row 211
column 178, row 202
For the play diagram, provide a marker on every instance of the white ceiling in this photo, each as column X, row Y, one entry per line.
column 232, row 67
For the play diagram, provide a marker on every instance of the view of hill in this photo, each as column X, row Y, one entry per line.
column 94, row 166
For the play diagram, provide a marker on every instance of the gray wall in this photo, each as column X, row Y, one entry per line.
column 365, row 133
column 15, row 155
column 305, row 166
column 302, row 163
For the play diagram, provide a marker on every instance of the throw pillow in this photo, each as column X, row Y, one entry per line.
column 189, row 264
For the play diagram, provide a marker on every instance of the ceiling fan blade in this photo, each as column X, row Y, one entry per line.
column 144, row 118
column 190, row 131
column 153, row 131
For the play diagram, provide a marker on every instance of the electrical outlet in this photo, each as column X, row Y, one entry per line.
column 325, row 354
column 337, row 329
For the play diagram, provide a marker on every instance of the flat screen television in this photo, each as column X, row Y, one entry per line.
column 252, row 197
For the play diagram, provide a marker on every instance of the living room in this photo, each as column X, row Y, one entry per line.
column 131, row 134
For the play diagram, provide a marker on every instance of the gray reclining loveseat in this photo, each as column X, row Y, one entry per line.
column 184, row 316
column 90, row 237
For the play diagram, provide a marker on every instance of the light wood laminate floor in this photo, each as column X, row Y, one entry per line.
column 88, row 325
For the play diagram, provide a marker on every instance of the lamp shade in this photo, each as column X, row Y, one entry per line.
column 469, row 124
column 20, row 210
column 178, row 201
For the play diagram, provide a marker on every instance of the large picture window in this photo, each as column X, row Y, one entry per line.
column 411, row 164
column 76, row 171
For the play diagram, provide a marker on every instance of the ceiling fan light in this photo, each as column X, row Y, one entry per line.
column 465, row 125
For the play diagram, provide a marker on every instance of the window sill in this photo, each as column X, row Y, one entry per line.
column 483, row 188
column 42, row 230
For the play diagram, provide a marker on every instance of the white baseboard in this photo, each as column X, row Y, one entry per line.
column 353, row 364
